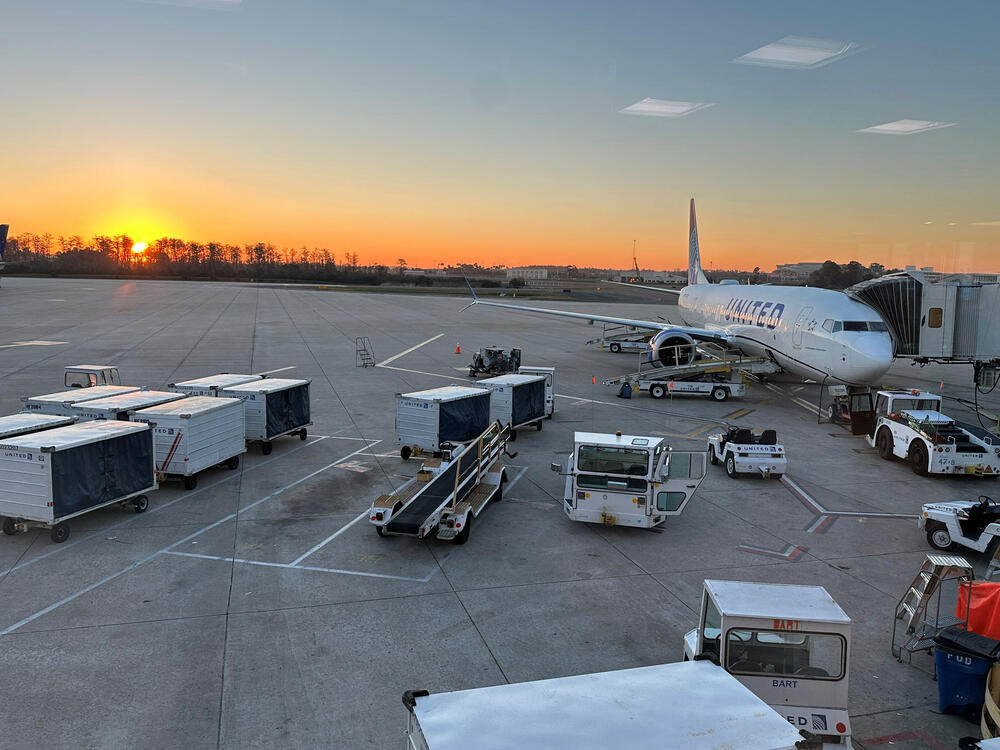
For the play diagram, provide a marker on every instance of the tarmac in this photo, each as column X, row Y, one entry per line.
column 261, row 609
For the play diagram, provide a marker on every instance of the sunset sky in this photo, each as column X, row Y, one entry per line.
column 491, row 132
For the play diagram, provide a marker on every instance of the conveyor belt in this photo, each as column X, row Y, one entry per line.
column 435, row 494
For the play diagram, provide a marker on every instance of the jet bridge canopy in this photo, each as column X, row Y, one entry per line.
column 950, row 318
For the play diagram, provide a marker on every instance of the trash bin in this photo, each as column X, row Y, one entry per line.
column 625, row 391
column 962, row 660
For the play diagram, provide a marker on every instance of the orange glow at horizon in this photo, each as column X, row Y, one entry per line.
column 138, row 248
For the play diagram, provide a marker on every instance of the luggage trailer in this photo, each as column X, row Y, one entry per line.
column 448, row 492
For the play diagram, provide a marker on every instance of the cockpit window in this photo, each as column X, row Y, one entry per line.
column 828, row 324
column 856, row 325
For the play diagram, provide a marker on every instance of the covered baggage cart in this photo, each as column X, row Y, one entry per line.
column 516, row 400
column 453, row 413
column 549, row 373
column 118, row 407
column 195, row 433
column 50, row 477
column 28, row 422
column 212, row 384
column 273, row 407
column 61, row 403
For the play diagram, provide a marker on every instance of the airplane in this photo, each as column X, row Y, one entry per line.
column 816, row 334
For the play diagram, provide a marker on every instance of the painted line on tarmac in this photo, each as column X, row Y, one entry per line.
column 697, row 431
column 287, row 566
column 189, row 537
column 512, row 482
column 31, row 343
column 157, row 508
column 823, row 518
column 790, row 553
column 334, row 535
column 403, row 353
column 738, row 413
column 794, row 399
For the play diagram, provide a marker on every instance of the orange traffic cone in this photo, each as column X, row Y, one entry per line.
column 458, row 348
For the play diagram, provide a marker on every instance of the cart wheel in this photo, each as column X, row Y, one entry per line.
column 731, row 466
column 939, row 538
column 712, row 458
column 190, row 482
column 776, row 476
column 538, row 425
column 59, row 533
column 513, row 436
column 232, row 463
column 303, row 434
column 266, row 447
column 884, row 444
column 405, row 452
column 831, row 413
column 657, row 391
column 140, row 504
column 615, row 347
column 498, row 495
column 463, row 536
column 719, row 393
column 380, row 531
column 918, row 459
column 9, row 527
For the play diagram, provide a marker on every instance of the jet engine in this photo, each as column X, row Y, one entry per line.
column 672, row 348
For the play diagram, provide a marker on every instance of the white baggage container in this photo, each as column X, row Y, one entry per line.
column 194, row 433
column 516, row 400
column 61, row 403
column 28, row 422
column 47, row 478
column 211, row 385
column 118, row 407
column 692, row 705
column 549, row 373
column 273, row 407
column 425, row 419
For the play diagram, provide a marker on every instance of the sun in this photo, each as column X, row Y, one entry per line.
column 138, row 248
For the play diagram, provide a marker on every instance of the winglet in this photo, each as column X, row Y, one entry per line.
column 472, row 291
column 695, row 273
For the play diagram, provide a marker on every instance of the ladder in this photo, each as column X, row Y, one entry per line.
column 364, row 355
column 912, row 615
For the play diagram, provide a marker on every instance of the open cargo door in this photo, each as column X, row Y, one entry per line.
column 681, row 473
column 862, row 411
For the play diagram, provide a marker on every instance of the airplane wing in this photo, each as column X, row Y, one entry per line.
column 699, row 334
column 650, row 288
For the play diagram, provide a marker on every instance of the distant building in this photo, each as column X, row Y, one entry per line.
column 528, row 272
column 794, row 271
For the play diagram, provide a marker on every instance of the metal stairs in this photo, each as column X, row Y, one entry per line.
column 918, row 615
column 364, row 355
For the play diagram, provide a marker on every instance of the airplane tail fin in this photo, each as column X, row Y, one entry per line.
column 3, row 239
column 695, row 274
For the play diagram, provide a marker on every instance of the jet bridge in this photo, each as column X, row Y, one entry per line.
column 936, row 317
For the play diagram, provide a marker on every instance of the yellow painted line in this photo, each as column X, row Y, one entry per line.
column 699, row 430
column 737, row 414
column 672, row 434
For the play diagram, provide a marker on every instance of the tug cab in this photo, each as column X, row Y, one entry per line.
column 90, row 376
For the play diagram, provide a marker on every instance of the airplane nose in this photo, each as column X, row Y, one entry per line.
column 870, row 359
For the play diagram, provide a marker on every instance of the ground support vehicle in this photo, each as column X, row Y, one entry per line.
column 491, row 360
column 788, row 644
column 628, row 480
column 211, row 384
column 448, row 491
column 193, row 434
column 89, row 376
column 62, row 402
column 426, row 419
column 743, row 452
column 549, row 373
column 48, row 478
column 272, row 407
column 853, row 406
column 694, row 706
column 118, row 407
column 910, row 425
column 717, row 377
column 968, row 523
column 516, row 400
column 27, row 422
column 625, row 340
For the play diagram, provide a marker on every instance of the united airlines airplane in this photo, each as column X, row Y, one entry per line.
column 816, row 334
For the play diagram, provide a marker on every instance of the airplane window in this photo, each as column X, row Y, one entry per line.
column 838, row 326
column 855, row 325
column 828, row 324
column 878, row 325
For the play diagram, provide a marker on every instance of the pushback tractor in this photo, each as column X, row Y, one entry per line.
column 628, row 480
column 449, row 491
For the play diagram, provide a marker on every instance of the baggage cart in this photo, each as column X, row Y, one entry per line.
column 193, row 434
column 549, row 373
column 118, row 407
column 48, row 478
column 212, row 384
column 272, row 407
column 61, row 403
column 453, row 413
column 28, row 422
column 516, row 400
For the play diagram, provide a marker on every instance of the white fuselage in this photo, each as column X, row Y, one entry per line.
column 797, row 327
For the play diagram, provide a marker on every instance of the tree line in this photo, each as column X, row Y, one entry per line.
column 835, row 276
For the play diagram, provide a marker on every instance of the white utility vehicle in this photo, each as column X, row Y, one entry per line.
column 742, row 452
column 910, row 425
column 718, row 390
column 694, row 706
column 628, row 480
column 788, row 644
column 88, row 376
column 549, row 373
column 970, row 523
column 448, row 492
